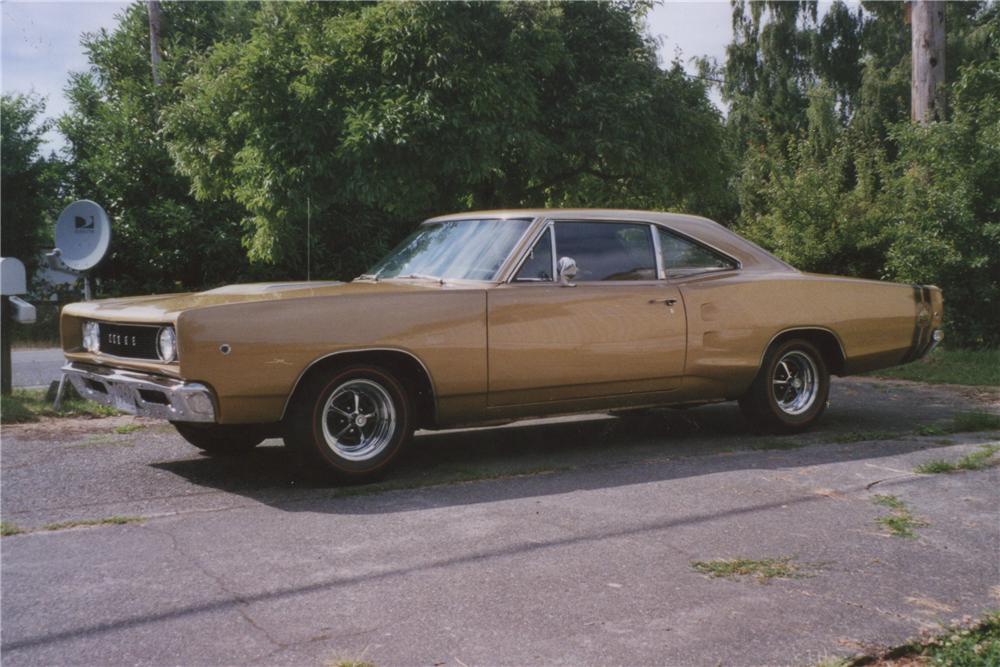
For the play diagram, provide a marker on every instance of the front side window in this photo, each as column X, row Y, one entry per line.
column 682, row 256
column 537, row 266
column 607, row 250
column 456, row 249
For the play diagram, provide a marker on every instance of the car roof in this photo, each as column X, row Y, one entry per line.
column 750, row 255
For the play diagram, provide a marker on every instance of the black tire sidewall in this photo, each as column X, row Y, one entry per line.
column 760, row 405
column 309, row 426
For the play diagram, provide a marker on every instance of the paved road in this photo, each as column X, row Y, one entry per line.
column 31, row 367
column 577, row 551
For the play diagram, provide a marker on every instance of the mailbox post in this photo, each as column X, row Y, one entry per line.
column 14, row 309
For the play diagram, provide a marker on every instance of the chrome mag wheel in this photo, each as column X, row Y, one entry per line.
column 359, row 420
column 795, row 382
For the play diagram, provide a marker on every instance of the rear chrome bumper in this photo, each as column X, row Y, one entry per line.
column 143, row 394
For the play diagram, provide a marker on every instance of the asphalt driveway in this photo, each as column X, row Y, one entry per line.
column 567, row 542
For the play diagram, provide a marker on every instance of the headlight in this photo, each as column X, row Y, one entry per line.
column 166, row 344
column 91, row 337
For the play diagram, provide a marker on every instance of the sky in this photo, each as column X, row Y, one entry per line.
column 40, row 42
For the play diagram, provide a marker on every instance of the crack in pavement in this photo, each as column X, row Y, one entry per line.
column 241, row 609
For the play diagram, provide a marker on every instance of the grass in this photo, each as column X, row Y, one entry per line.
column 980, row 368
column 762, row 570
column 963, row 422
column 965, row 644
column 7, row 529
column 865, row 436
column 128, row 428
column 900, row 522
column 30, row 405
column 977, row 460
column 109, row 521
column 764, row 444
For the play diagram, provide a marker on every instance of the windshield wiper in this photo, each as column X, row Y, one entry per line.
column 420, row 276
column 368, row 276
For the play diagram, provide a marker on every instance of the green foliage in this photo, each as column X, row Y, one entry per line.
column 977, row 460
column 845, row 183
column 28, row 405
column 164, row 239
column 900, row 522
column 29, row 183
column 762, row 570
column 371, row 117
column 950, row 366
column 7, row 529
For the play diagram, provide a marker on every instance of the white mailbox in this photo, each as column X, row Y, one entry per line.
column 13, row 281
column 12, row 277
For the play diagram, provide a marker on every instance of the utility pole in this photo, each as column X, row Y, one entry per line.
column 153, row 9
column 927, row 78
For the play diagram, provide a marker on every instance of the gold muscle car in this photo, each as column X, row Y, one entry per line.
column 493, row 316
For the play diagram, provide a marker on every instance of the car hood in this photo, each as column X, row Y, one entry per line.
column 166, row 307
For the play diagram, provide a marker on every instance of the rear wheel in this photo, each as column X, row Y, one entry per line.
column 221, row 439
column 350, row 423
column 790, row 392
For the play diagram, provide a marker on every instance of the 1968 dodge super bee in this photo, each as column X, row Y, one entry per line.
column 492, row 316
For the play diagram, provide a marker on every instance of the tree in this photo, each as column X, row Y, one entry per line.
column 866, row 193
column 376, row 116
column 29, row 183
column 164, row 239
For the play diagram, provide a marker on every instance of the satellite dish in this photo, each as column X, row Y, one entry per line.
column 83, row 233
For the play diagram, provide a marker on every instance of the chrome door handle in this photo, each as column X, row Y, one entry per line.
column 667, row 301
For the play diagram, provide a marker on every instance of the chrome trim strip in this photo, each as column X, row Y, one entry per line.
column 520, row 254
column 549, row 223
column 184, row 401
column 661, row 270
column 298, row 380
column 734, row 260
column 555, row 251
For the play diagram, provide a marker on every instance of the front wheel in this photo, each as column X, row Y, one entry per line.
column 790, row 392
column 350, row 423
column 220, row 439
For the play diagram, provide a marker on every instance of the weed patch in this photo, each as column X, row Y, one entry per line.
column 865, row 436
column 109, row 521
column 900, row 522
column 775, row 443
column 128, row 428
column 7, row 529
column 761, row 571
column 977, row 460
column 965, row 644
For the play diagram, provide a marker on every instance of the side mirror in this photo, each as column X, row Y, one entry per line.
column 567, row 271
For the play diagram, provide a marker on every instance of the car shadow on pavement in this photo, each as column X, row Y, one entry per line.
column 480, row 465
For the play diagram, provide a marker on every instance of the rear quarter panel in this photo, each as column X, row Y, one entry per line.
column 733, row 317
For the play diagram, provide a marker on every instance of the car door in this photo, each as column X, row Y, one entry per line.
column 618, row 330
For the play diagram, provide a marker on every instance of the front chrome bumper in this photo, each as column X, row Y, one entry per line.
column 142, row 394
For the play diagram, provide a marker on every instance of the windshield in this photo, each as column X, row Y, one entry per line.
column 457, row 249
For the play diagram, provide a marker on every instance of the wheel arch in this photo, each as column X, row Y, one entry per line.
column 825, row 340
column 406, row 366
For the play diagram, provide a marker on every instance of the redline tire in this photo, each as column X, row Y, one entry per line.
column 350, row 424
column 791, row 389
